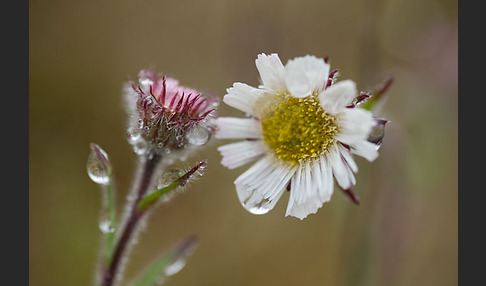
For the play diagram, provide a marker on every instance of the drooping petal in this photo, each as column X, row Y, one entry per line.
column 365, row 149
column 243, row 97
column 262, row 185
column 355, row 125
column 304, row 193
column 327, row 189
column 271, row 72
column 238, row 128
column 306, row 75
column 339, row 95
column 239, row 153
column 346, row 156
column 340, row 168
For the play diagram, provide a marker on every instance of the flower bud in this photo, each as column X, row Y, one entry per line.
column 167, row 117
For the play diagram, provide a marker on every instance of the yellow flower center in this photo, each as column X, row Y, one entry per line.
column 298, row 128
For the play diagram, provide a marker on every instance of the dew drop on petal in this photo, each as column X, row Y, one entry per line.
column 258, row 210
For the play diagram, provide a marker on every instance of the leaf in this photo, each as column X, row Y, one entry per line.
column 167, row 265
column 151, row 198
column 100, row 171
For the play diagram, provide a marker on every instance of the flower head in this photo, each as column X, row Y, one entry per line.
column 302, row 128
column 167, row 117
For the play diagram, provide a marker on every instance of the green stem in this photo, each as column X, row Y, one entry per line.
column 110, row 206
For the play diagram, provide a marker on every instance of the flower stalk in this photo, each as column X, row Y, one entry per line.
column 148, row 167
column 166, row 123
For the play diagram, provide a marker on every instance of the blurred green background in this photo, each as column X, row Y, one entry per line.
column 404, row 232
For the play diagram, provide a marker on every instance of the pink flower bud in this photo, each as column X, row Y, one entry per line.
column 166, row 116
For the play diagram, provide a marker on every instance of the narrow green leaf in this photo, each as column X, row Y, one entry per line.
column 152, row 197
column 167, row 265
column 181, row 181
column 100, row 171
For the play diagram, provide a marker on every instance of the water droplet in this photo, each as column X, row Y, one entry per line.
column 174, row 267
column 146, row 82
column 151, row 155
column 147, row 102
column 140, row 123
column 258, row 210
column 133, row 135
column 106, row 227
column 98, row 166
column 199, row 136
column 169, row 177
column 140, row 147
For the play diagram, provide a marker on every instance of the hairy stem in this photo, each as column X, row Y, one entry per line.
column 109, row 202
column 148, row 168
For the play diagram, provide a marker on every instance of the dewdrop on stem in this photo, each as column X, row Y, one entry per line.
column 98, row 165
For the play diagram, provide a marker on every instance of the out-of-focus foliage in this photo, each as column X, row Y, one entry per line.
column 404, row 232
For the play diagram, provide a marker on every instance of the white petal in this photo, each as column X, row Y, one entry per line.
column 238, row 128
column 327, row 180
column 365, row 149
column 262, row 185
column 304, row 193
column 243, row 97
column 339, row 95
column 340, row 169
column 271, row 72
column 346, row 155
column 317, row 176
column 240, row 153
column 306, row 75
column 355, row 125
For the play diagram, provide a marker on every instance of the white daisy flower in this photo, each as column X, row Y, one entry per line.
column 302, row 130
